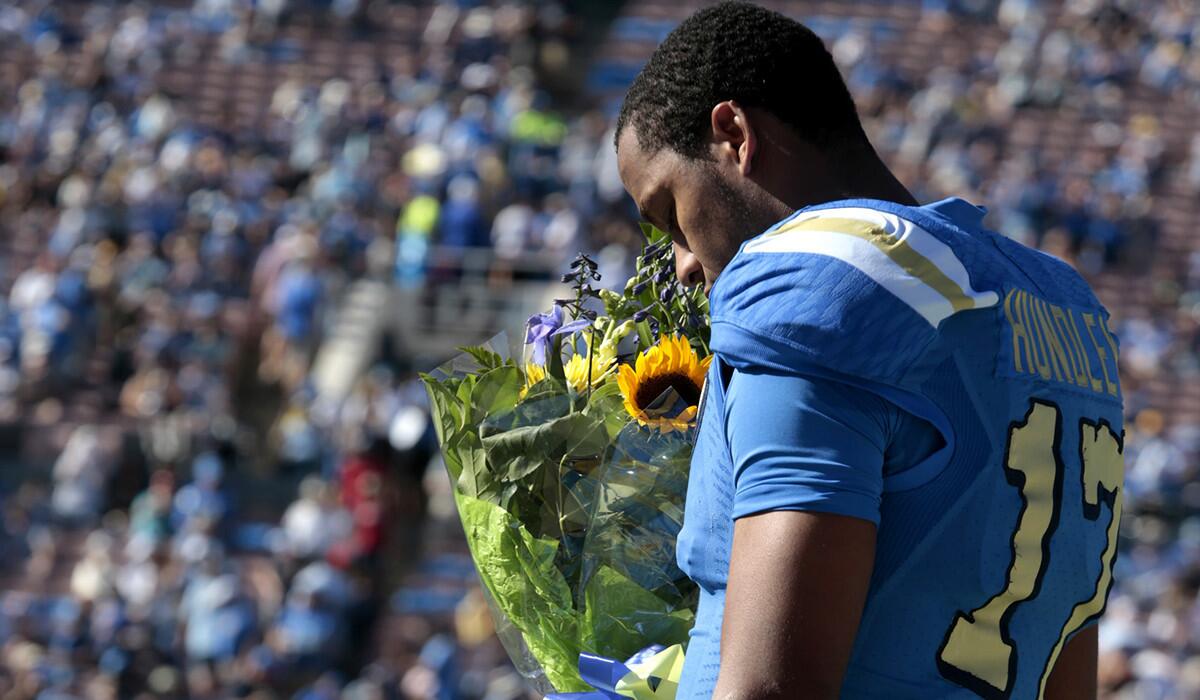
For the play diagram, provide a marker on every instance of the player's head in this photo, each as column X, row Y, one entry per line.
column 739, row 117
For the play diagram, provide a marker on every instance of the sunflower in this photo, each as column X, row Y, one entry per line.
column 671, row 364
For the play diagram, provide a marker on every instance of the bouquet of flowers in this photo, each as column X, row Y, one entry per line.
column 569, row 458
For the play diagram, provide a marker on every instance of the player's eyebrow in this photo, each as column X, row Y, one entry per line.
column 644, row 208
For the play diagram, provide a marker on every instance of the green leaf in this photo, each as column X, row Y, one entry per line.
column 603, row 396
column 544, row 400
column 495, row 392
column 447, row 414
column 653, row 234
column 620, row 617
column 474, row 479
column 645, row 339
column 519, row 572
column 608, row 405
column 463, row 395
column 459, row 406
column 519, row 452
column 486, row 358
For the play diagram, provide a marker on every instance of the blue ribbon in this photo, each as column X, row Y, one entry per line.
column 605, row 674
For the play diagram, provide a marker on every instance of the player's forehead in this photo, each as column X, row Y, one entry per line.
column 644, row 173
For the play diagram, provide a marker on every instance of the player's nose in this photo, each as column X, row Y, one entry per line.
column 687, row 268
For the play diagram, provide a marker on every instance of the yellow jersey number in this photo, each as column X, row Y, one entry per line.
column 978, row 652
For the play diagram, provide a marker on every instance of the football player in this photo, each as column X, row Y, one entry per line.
column 907, row 481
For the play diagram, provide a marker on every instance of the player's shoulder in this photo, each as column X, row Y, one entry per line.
column 861, row 286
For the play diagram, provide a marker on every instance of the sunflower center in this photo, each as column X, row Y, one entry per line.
column 651, row 388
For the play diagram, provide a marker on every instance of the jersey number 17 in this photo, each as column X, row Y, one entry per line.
column 978, row 651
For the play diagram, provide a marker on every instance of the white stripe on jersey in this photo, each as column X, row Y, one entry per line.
column 885, row 265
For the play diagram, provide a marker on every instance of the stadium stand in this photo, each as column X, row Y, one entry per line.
column 229, row 230
column 212, row 460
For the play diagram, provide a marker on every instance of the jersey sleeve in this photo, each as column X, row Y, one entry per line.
column 806, row 444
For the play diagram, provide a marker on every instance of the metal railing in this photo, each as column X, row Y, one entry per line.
column 468, row 296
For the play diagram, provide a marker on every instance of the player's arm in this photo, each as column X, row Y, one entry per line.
column 808, row 461
column 797, row 583
column 1074, row 674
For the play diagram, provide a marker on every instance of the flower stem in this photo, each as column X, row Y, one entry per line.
column 562, row 530
column 591, row 354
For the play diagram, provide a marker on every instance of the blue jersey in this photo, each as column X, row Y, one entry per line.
column 907, row 366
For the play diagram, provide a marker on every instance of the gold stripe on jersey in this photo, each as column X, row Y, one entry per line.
column 895, row 248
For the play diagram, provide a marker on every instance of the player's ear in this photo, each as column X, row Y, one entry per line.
column 733, row 135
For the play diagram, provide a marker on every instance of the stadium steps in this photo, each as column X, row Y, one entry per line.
column 473, row 309
column 353, row 342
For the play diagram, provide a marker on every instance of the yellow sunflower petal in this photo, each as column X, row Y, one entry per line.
column 647, row 363
column 690, row 361
column 627, row 381
column 701, row 371
column 678, row 424
column 669, row 353
column 687, row 354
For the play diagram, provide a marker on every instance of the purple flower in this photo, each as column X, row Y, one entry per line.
column 542, row 327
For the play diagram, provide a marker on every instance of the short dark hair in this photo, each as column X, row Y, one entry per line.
column 749, row 54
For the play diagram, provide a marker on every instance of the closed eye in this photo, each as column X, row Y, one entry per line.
column 653, row 220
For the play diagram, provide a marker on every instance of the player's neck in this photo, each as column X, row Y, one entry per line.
column 850, row 173
column 867, row 177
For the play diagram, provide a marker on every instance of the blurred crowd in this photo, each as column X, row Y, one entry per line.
column 206, row 526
